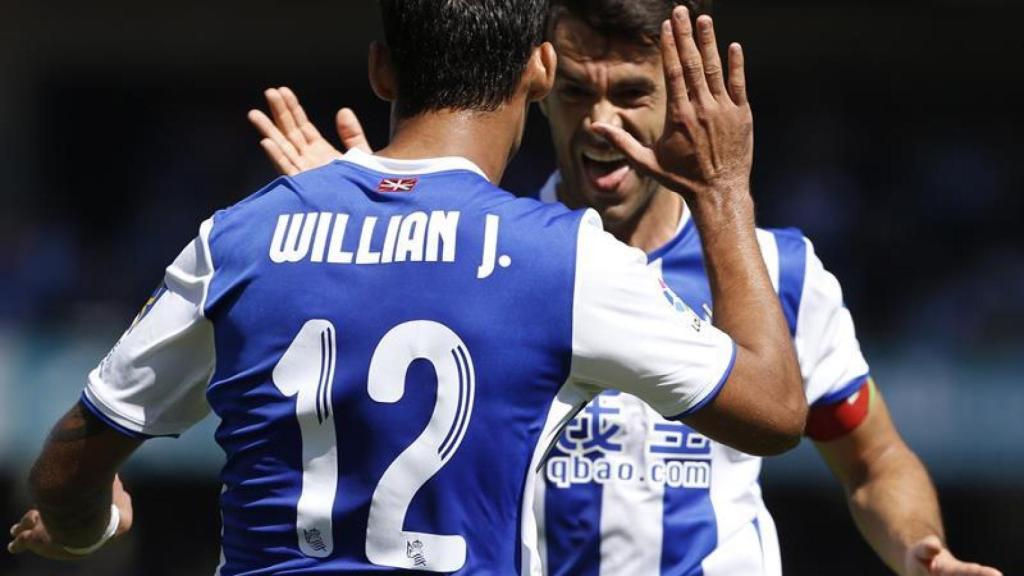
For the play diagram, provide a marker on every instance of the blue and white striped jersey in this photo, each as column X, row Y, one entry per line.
column 390, row 347
column 627, row 491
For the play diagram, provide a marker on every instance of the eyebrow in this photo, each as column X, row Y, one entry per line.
column 632, row 82
column 635, row 83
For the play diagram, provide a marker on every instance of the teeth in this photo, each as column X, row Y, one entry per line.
column 603, row 155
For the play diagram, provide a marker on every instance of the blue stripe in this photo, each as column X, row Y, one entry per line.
column 689, row 531
column 443, row 448
column 117, row 427
column 572, row 528
column 714, row 392
column 760, row 538
column 320, row 384
column 463, row 414
column 328, row 377
column 844, row 392
column 792, row 269
column 671, row 244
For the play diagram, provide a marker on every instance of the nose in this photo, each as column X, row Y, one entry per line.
column 604, row 112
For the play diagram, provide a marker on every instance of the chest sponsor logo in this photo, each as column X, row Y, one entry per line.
column 592, row 449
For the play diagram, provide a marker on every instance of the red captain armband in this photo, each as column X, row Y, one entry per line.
column 827, row 422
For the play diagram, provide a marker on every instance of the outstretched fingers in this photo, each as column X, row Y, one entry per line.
column 689, row 56
column 737, row 75
column 713, row 70
column 350, row 130
column 305, row 127
column 279, row 149
column 679, row 105
column 283, row 117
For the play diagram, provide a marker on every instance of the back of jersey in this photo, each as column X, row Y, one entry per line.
column 389, row 338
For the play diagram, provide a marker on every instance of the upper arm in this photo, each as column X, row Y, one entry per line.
column 632, row 334
column 831, row 362
column 153, row 382
column 855, row 456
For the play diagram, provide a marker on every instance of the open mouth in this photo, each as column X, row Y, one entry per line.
column 605, row 169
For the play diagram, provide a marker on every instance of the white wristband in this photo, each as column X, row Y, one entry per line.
column 115, row 521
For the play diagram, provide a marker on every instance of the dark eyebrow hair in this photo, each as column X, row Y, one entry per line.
column 638, row 82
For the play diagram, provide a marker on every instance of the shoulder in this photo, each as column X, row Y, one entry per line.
column 535, row 214
column 783, row 244
column 805, row 285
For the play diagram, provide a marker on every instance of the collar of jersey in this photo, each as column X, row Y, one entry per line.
column 549, row 193
column 411, row 167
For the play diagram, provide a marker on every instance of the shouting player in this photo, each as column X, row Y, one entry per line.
column 391, row 342
column 627, row 491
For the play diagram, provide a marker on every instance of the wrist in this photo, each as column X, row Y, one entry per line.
column 108, row 533
column 723, row 210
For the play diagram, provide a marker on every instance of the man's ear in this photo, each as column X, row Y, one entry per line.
column 382, row 73
column 540, row 72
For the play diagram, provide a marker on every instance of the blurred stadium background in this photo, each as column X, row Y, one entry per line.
column 888, row 131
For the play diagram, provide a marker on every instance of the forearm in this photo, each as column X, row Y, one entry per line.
column 896, row 506
column 746, row 305
column 72, row 478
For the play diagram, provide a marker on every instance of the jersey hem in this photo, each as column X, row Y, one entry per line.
column 844, row 391
column 714, row 391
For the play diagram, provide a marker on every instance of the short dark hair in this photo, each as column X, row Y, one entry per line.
column 460, row 54
column 637, row 21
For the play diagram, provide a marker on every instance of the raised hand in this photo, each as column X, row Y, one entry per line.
column 30, row 534
column 708, row 142
column 293, row 143
column 930, row 558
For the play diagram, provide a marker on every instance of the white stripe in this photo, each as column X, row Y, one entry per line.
column 204, row 236
column 632, row 512
column 569, row 400
column 740, row 555
column 410, row 167
column 769, row 543
column 770, row 252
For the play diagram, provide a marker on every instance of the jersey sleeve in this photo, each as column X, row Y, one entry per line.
column 153, row 382
column 631, row 333
column 833, row 367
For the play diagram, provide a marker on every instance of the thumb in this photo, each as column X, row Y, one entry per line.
column 350, row 130
column 927, row 549
column 639, row 155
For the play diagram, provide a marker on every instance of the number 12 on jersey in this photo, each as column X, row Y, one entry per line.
column 306, row 372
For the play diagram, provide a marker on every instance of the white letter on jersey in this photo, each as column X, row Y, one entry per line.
column 443, row 230
column 364, row 255
column 411, row 237
column 293, row 248
column 335, row 253
column 387, row 255
column 490, row 247
column 323, row 227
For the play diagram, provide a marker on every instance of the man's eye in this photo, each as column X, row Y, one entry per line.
column 573, row 92
column 632, row 95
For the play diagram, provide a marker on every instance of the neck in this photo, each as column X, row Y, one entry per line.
column 654, row 225
column 484, row 138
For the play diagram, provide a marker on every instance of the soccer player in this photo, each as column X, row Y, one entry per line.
column 391, row 342
column 627, row 491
